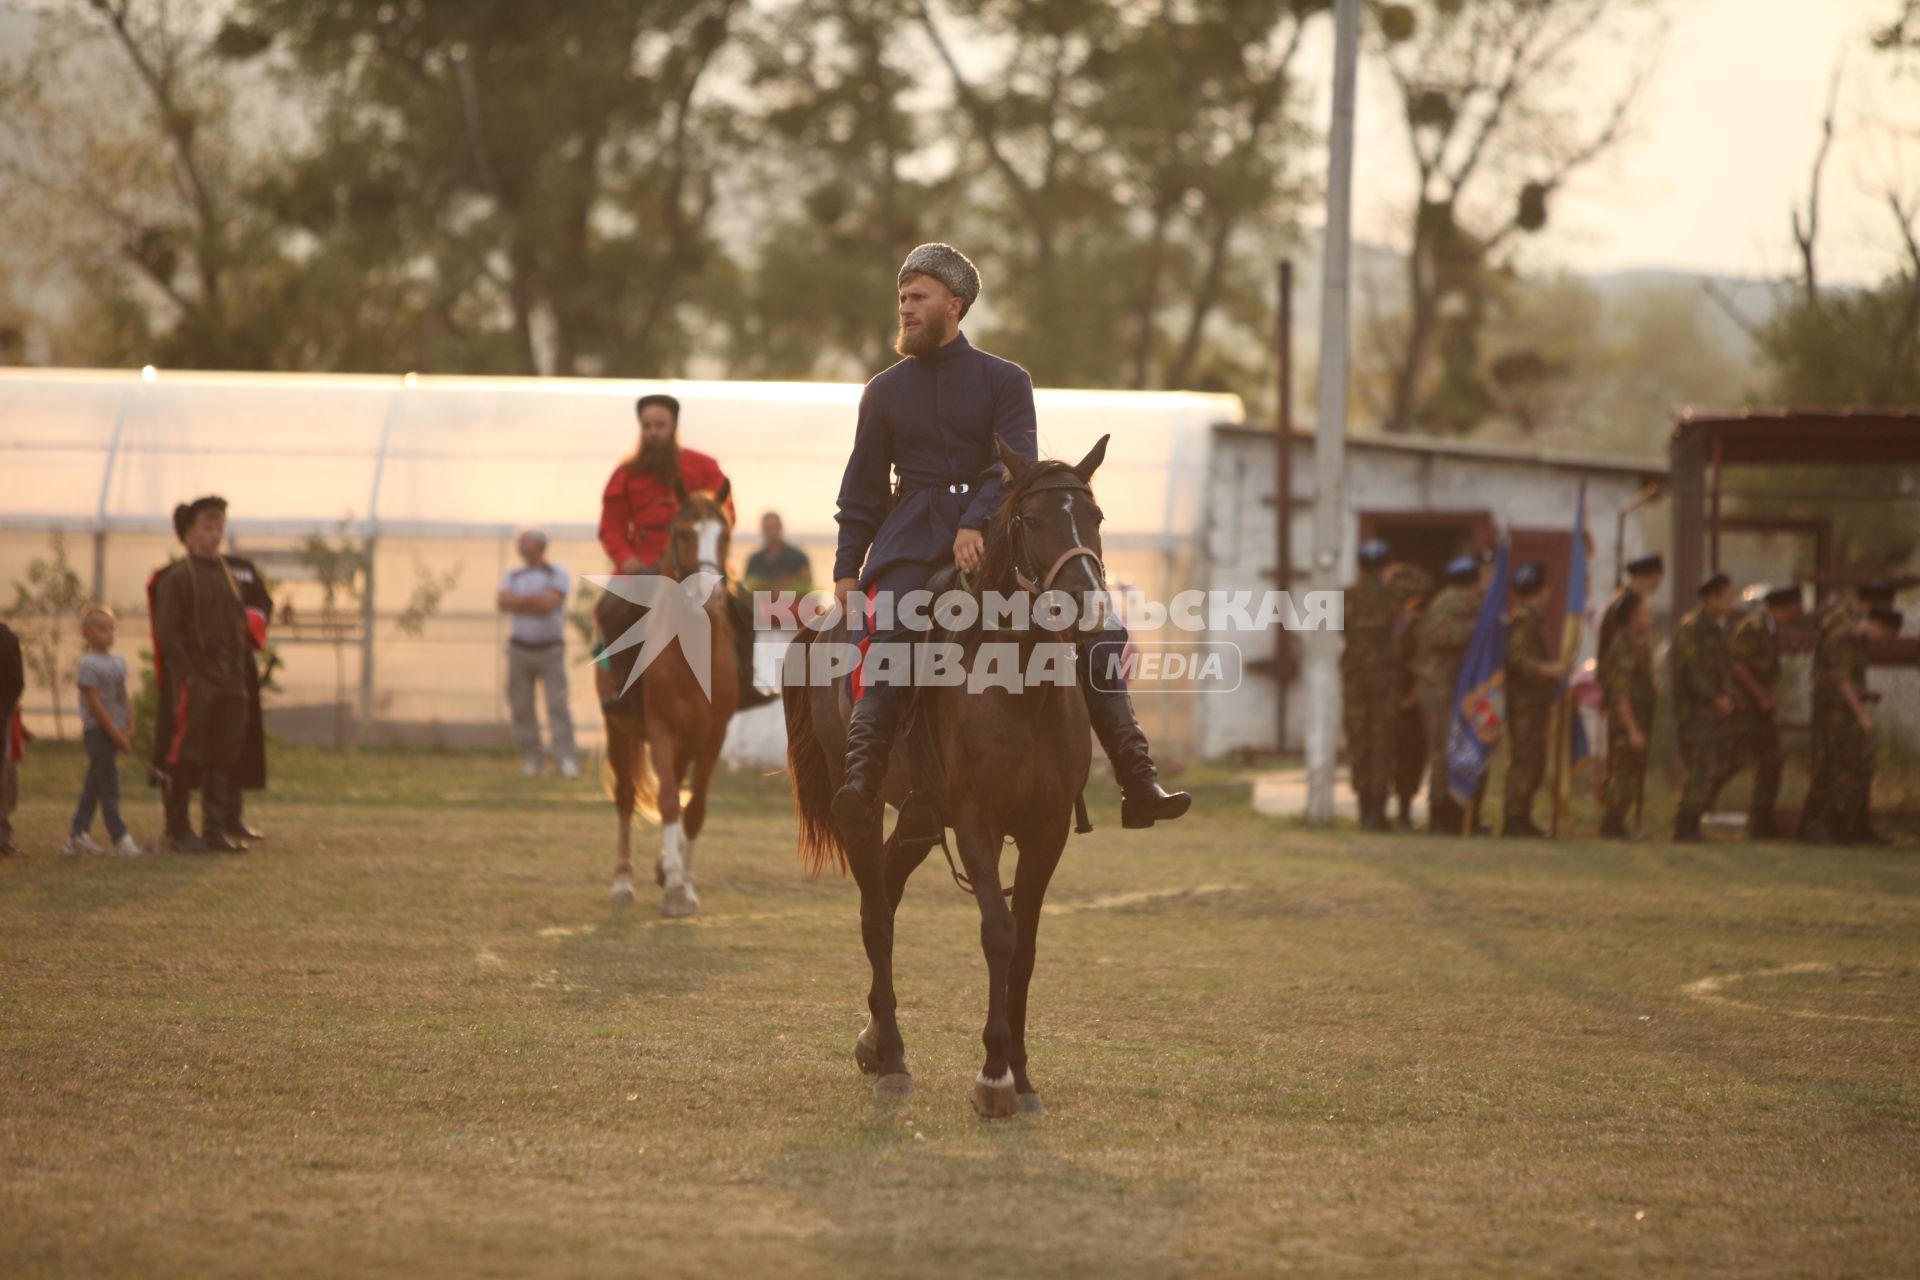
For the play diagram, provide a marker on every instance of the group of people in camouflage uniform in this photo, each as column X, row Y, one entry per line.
column 1402, row 664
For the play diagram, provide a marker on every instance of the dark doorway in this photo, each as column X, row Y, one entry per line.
column 1429, row 538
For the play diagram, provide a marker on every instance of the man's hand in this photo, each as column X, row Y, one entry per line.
column 1638, row 739
column 842, row 588
column 632, row 565
column 123, row 742
column 1723, row 704
column 968, row 548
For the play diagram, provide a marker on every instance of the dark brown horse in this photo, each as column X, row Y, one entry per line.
column 1013, row 762
column 681, row 728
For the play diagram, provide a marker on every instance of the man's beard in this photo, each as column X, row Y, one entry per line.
column 661, row 460
column 924, row 340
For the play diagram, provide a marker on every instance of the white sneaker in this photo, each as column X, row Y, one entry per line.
column 529, row 768
column 569, row 768
column 127, row 847
column 82, row 843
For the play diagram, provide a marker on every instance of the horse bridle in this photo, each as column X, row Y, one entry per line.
column 1022, row 560
column 671, row 557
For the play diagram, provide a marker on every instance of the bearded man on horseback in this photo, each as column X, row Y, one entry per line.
column 932, row 420
column 642, row 497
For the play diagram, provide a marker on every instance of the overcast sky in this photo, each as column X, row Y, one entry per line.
column 1726, row 137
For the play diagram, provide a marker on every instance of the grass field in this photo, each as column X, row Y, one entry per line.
column 407, row 1038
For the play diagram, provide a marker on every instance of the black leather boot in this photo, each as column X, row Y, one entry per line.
column 857, row 806
column 1143, row 801
column 1686, row 828
column 1614, row 825
column 1520, row 824
column 175, row 804
column 1763, row 825
column 215, row 819
column 237, row 826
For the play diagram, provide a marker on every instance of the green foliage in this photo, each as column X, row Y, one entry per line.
column 429, row 589
column 46, row 616
column 1846, row 347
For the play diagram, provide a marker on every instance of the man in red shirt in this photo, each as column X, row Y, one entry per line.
column 639, row 503
column 638, row 506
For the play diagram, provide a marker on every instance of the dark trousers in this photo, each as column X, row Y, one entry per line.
column 102, row 787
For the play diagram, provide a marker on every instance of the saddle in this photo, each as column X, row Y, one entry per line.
column 925, row 814
column 739, row 609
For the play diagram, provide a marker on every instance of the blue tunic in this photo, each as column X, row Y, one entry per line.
column 932, row 419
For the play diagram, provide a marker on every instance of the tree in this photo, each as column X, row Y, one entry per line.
column 1127, row 166
column 46, row 609
column 1493, row 95
column 532, row 188
column 124, row 133
column 858, row 188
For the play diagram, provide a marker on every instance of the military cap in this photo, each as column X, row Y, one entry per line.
column 1649, row 563
column 1713, row 586
column 187, row 512
column 1878, row 591
column 1529, row 577
column 1463, row 569
column 1784, row 597
column 1373, row 551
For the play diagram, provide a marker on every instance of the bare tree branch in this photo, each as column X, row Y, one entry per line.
column 1806, row 233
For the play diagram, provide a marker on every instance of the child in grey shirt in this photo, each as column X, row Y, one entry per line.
column 106, row 721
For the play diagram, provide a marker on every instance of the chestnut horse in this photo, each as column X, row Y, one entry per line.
column 680, row 728
column 1013, row 760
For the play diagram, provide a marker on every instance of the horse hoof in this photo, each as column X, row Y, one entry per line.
column 622, row 891
column 898, row 1084
column 994, row 1099
column 1029, row 1104
column 866, row 1056
column 679, row 904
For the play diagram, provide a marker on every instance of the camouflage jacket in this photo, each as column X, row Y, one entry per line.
column 1702, row 663
column 1756, row 650
column 1444, row 636
column 1526, row 655
column 1372, row 608
column 1630, row 676
column 1841, row 661
column 1610, row 626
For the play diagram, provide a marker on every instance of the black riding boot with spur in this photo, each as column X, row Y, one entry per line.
column 1143, row 801
column 857, row 806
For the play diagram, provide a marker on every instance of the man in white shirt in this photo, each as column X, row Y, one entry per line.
column 535, row 597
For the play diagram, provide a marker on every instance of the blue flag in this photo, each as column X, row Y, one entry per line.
column 1480, row 697
column 1574, row 630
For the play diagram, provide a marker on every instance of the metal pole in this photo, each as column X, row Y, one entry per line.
column 1283, row 496
column 1329, row 456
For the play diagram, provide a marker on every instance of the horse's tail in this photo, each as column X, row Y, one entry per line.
column 807, row 767
column 627, row 753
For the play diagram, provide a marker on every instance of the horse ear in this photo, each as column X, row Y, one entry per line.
column 1091, row 463
column 1015, row 465
column 720, row 494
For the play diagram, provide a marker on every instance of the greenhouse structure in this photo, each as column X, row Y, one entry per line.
column 425, row 481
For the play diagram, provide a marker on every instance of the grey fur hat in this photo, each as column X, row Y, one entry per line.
column 949, row 266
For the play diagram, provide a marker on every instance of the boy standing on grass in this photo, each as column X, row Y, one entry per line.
column 106, row 721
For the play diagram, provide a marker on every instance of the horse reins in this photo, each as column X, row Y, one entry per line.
column 1022, row 560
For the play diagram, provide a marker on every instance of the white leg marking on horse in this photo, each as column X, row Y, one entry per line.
column 1004, row 1082
column 672, row 868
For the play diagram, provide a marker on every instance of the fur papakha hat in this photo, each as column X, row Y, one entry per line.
column 949, row 266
